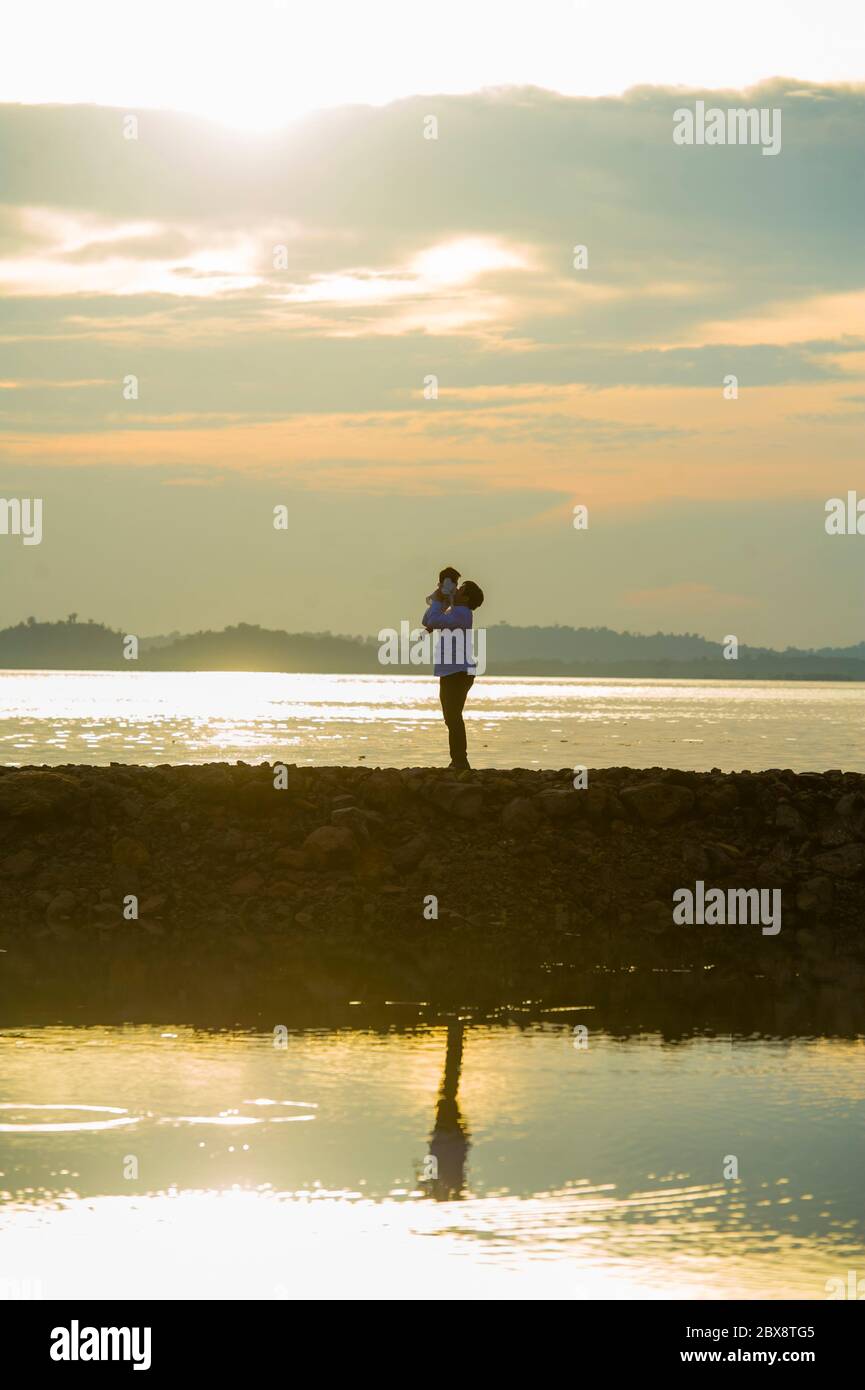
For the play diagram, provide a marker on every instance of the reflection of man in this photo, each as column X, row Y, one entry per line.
column 444, row 1169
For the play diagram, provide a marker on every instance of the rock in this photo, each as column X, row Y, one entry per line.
column 771, row 873
column 848, row 822
column 355, row 820
column 281, row 888
column 331, row 843
column 129, row 854
column 409, row 855
column 292, row 858
column 815, row 895
column 384, row 787
column 153, row 904
column 248, row 885
column 19, row 865
column 732, row 851
column 696, row 860
column 722, row 858
column 658, row 803
column 602, row 806
column 718, row 800
column 850, row 805
column 456, row 798
column 372, row 864
column 847, row 861
column 212, row 783
column 38, row 796
column 840, row 832
column 788, row 818
column 259, row 798
column 467, row 803
column 520, row 815
column 60, row 906
column 558, row 805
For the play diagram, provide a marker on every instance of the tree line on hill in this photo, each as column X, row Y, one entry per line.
column 517, row 651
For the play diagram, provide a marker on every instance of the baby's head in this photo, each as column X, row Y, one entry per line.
column 449, row 579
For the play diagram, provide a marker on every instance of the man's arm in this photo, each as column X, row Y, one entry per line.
column 434, row 611
column 438, row 616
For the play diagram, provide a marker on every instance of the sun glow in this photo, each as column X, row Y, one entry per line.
column 260, row 64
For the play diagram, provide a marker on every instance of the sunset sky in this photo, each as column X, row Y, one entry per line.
column 296, row 376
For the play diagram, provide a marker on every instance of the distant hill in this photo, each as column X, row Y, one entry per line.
column 90, row 646
column 250, row 648
column 70, row 646
column 515, row 651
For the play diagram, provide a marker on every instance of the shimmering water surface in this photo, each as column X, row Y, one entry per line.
column 152, row 717
column 170, row 1162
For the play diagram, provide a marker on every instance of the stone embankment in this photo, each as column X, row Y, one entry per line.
column 462, row 886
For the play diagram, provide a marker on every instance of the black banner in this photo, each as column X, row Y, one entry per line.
column 159, row 1339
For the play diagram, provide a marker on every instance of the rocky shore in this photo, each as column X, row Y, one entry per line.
column 123, row 882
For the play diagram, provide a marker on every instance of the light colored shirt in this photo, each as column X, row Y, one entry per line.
column 453, row 638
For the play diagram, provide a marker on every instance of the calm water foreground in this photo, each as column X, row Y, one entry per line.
column 189, row 717
column 434, row 1161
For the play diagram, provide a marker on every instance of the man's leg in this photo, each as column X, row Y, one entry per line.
column 445, row 700
column 452, row 693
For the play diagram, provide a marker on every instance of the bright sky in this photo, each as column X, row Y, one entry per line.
column 300, row 380
column 258, row 63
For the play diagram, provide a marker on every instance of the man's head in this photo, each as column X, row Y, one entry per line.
column 469, row 594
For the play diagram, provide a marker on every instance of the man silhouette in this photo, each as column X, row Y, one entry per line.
column 455, row 665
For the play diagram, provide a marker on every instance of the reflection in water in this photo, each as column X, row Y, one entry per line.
column 445, row 1171
column 53, row 1126
column 595, row 1173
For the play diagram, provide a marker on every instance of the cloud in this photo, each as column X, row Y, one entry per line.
column 282, row 300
